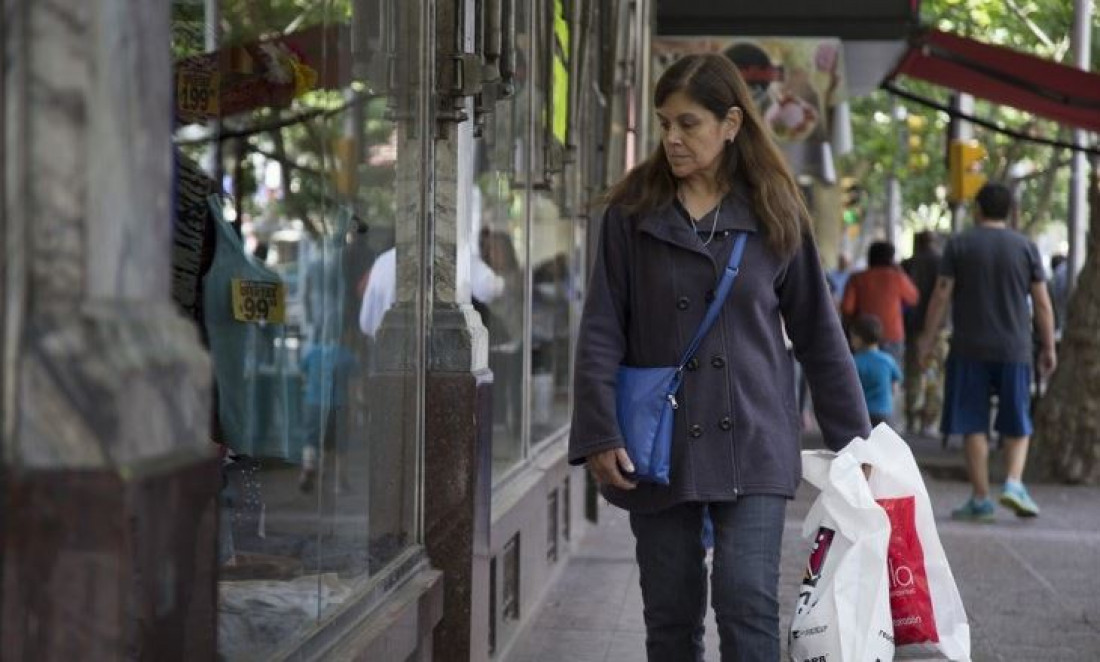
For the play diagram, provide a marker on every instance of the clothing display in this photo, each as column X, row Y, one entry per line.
column 327, row 370
column 193, row 237
column 323, row 285
column 257, row 388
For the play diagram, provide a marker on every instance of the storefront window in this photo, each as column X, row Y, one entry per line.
column 298, row 205
column 552, row 240
column 551, row 230
column 500, row 254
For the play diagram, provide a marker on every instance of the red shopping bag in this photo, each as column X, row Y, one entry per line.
column 910, row 597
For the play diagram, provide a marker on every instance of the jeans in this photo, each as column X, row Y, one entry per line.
column 745, row 578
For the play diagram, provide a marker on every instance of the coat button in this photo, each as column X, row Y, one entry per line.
column 693, row 364
column 710, row 296
column 718, row 362
column 725, row 423
column 696, row 431
column 682, row 303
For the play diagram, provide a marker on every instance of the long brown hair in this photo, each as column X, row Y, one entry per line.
column 713, row 82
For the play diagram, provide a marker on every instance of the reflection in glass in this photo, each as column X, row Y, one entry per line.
column 499, row 257
column 501, row 308
column 552, row 292
column 551, row 230
column 289, row 177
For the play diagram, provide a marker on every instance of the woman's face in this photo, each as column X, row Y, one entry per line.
column 693, row 137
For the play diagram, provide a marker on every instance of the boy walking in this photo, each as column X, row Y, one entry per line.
column 878, row 371
column 988, row 274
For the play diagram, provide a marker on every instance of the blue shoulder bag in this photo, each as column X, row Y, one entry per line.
column 645, row 398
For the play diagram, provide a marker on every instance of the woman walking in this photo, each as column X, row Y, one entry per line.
column 667, row 235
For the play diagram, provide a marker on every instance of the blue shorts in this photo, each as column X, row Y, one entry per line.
column 968, row 388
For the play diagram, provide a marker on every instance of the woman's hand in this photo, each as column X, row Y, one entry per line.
column 606, row 466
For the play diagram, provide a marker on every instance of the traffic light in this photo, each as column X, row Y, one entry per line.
column 965, row 170
column 918, row 156
column 852, row 200
column 344, row 172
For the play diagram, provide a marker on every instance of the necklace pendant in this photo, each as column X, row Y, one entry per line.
column 694, row 221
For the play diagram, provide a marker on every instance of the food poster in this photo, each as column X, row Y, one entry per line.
column 794, row 81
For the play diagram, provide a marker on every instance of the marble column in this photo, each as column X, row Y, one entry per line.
column 108, row 534
column 458, row 434
column 455, row 479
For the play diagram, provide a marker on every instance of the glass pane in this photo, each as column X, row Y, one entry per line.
column 311, row 137
column 551, row 229
column 552, row 291
column 500, row 257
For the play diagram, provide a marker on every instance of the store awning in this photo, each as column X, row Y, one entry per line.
column 851, row 20
column 1001, row 75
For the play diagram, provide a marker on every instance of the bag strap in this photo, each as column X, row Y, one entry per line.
column 724, row 287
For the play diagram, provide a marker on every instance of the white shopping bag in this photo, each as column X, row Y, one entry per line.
column 843, row 608
column 928, row 614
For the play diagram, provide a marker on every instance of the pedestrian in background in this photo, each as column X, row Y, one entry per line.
column 879, row 374
column 923, row 383
column 882, row 290
column 669, row 228
column 1058, row 289
column 987, row 274
column 838, row 278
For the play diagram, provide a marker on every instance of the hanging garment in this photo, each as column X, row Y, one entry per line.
column 323, row 287
column 193, row 237
column 258, row 387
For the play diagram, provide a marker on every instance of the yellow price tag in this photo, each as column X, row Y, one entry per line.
column 257, row 300
column 197, row 93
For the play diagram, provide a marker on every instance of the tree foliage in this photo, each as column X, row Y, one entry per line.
column 305, row 149
column 1039, row 27
column 1067, row 430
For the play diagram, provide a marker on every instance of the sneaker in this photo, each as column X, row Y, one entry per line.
column 974, row 510
column 1015, row 497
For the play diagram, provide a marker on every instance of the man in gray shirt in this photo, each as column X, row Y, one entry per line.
column 988, row 273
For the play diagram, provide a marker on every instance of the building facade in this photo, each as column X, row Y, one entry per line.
column 290, row 298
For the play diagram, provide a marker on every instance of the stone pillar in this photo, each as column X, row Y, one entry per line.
column 458, row 423
column 395, row 384
column 108, row 536
column 456, row 466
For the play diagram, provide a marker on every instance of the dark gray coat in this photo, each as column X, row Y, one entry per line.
column 737, row 430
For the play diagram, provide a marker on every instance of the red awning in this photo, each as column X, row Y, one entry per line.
column 1001, row 75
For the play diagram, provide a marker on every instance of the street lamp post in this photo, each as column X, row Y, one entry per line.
column 893, row 184
column 1077, row 221
column 960, row 130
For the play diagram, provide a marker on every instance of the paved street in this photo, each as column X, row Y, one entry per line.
column 1031, row 588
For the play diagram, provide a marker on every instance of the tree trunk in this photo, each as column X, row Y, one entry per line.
column 1041, row 208
column 1067, row 426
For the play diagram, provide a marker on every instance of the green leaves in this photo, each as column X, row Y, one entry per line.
column 1039, row 27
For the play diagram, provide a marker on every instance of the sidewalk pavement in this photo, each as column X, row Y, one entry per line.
column 1031, row 587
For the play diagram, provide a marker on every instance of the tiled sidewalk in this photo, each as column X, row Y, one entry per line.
column 594, row 612
column 1031, row 587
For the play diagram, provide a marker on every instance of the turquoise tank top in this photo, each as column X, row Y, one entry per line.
column 259, row 393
